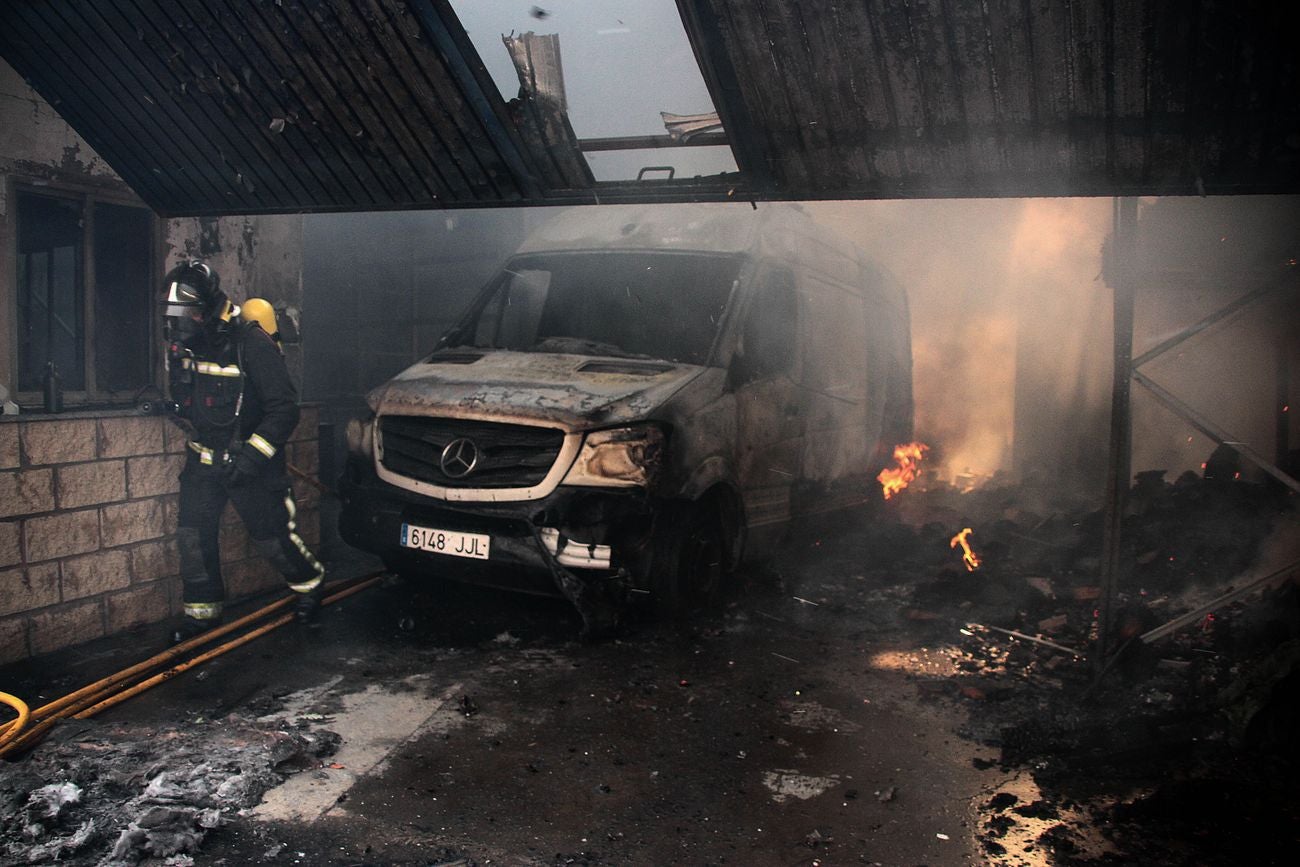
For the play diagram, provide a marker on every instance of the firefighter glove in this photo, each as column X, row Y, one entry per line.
column 244, row 464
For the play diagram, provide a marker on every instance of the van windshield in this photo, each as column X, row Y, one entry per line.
column 665, row 306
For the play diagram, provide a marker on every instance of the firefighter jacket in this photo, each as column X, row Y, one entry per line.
column 233, row 387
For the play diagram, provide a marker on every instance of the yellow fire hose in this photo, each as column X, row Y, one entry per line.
column 154, row 661
column 11, row 730
column 100, row 695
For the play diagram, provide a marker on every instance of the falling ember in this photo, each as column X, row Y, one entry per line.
column 967, row 556
column 908, row 457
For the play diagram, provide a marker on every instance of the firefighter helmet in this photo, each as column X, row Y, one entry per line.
column 193, row 288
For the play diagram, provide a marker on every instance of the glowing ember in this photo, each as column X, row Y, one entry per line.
column 908, row 457
column 967, row 556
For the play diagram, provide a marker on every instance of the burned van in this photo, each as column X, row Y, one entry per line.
column 640, row 399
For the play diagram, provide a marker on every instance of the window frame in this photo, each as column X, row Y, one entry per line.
column 773, row 278
column 86, row 196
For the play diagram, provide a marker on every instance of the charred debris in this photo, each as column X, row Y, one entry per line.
column 123, row 794
column 1190, row 727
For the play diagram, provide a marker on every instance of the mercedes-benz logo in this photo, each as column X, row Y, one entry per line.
column 459, row 458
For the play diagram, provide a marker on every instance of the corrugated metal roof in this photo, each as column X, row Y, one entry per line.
column 931, row 98
column 255, row 106
column 248, row 106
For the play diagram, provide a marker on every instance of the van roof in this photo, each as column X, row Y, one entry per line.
column 696, row 227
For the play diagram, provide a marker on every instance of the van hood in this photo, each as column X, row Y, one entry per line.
column 573, row 391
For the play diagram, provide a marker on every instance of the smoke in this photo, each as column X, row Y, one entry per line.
column 1012, row 326
column 1064, row 342
column 1195, row 256
column 998, row 287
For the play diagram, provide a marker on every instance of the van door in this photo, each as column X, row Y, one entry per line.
column 769, row 417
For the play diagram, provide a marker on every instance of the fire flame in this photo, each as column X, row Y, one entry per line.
column 908, row 457
column 967, row 556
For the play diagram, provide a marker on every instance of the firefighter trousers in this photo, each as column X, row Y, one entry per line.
column 267, row 508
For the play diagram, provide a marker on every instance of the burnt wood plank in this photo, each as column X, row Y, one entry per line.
column 539, row 111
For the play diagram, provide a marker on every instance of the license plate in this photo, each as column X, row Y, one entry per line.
column 449, row 542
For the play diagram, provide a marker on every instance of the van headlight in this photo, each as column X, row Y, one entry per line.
column 622, row 457
column 360, row 435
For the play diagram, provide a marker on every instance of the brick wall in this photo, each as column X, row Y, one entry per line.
column 88, row 521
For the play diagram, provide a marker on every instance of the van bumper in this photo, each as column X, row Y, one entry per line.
column 584, row 534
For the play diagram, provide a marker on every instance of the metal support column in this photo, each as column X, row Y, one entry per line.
column 1282, row 397
column 1122, row 253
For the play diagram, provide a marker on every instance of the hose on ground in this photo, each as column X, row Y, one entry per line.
column 14, row 727
column 112, row 690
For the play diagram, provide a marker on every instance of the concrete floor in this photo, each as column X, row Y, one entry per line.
column 788, row 729
column 848, row 707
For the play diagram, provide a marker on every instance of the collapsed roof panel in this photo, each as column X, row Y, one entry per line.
column 614, row 67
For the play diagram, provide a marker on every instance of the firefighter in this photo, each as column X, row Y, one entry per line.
column 231, row 387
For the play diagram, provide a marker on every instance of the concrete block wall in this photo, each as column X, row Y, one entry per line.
column 88, row 520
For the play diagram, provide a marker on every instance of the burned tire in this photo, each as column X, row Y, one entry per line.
column 690, row 559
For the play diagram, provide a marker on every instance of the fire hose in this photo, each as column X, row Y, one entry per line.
column 16, row 737
column 12, row 729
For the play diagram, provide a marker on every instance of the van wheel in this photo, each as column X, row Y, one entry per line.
column 690, row 554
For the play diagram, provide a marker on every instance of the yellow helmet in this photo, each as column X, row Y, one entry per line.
column 260, row 311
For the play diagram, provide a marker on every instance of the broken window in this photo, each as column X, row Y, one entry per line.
column 83, row 295
column 666, row 306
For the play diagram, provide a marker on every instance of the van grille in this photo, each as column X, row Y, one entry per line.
column 509, row 455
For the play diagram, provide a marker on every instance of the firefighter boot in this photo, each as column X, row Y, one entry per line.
column 306, row 608
column 191, row 627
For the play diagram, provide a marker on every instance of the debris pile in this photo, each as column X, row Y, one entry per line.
column 1200, row 698
column 110, row 795
column 1039, row 569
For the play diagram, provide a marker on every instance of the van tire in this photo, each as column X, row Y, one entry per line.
column 689, row 565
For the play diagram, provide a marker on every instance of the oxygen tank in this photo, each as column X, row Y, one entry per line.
column 259, row 310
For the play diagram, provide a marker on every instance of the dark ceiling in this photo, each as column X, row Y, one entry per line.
column 262, row 106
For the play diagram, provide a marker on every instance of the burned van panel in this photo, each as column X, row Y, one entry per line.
column 533, row 387
column 640, row 398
